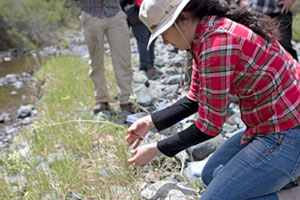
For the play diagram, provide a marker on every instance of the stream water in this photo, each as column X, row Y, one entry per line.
column 16, row 85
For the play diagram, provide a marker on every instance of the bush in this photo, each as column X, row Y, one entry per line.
column 33, row 23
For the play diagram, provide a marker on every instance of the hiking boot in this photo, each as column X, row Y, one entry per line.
column 128, row 106
column 152, row 73
column 101, row 107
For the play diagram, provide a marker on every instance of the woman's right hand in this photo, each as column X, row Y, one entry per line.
column 140, row 127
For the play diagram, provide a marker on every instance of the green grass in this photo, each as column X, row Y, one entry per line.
column 83, row 146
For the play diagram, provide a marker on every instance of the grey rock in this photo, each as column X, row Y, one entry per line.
column 175, row 79
column 24, row 149
column 10, row 130
column 161, row 190
column 13, row 92
column 174, row 177
column 178, row 61
column 18, row 84
column 142, row 95
column 133, row 117
column 72, row 196
column 203, row 149
column 24, row 111
column 228, row 129
column 3, row 145
column 193, row 171
column 34, row 113
column 140, row 77
column 170, row 89
column 234, row 99
column 7, row 59
column 122, row 116
column 175, row 195
column 11, row 78
column 241, row 130
column 5, row 117
column 27, row 121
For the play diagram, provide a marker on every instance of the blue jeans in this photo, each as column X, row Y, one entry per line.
column 142, row 34
column 253, row 171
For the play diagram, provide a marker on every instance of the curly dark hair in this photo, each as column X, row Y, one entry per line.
column 257, row 22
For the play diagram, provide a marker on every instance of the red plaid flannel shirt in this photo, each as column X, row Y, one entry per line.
column 138, row 2
column 231, row 59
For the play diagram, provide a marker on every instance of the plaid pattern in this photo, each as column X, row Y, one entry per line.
column 138, row 2
column 100, row 8
column 265, row 6
column 231, row 59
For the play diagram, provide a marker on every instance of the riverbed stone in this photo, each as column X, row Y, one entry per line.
column 140, row 77
column 5, row 117
column 72, row 196
column 161, row 190
column 202, row 150
column 18, row 84
column 9, row 130
column 193, row 171
column 24, row 111
column 142, row 95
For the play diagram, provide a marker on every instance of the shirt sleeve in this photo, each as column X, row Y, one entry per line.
column 217, row 54
column 172, row 114
column 182, row 140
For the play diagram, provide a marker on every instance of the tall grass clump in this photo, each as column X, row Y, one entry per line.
column 70, row 151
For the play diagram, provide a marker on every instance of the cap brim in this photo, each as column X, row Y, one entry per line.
column 168, row 23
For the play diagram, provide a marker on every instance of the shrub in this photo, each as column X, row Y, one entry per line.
column 33, row 23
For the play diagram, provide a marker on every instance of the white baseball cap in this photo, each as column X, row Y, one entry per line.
column 159, row 15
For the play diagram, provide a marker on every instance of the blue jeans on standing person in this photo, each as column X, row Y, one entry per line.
column 142, row 34
column 254, row 171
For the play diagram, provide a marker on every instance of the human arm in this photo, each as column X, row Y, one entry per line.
column 161, row 119
column 172, row 114
column 169, row 146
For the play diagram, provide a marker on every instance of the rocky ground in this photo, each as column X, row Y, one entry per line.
column 152, row 94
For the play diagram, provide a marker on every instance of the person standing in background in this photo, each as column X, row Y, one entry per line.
column 142, row 35
column 280, row 10
column 101, row 18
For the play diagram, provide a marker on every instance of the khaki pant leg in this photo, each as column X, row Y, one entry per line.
column 94, row 29
column 118, row 36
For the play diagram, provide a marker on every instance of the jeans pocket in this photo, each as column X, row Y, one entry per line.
column 276, row 146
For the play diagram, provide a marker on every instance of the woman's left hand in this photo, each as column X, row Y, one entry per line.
column 144, row 154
